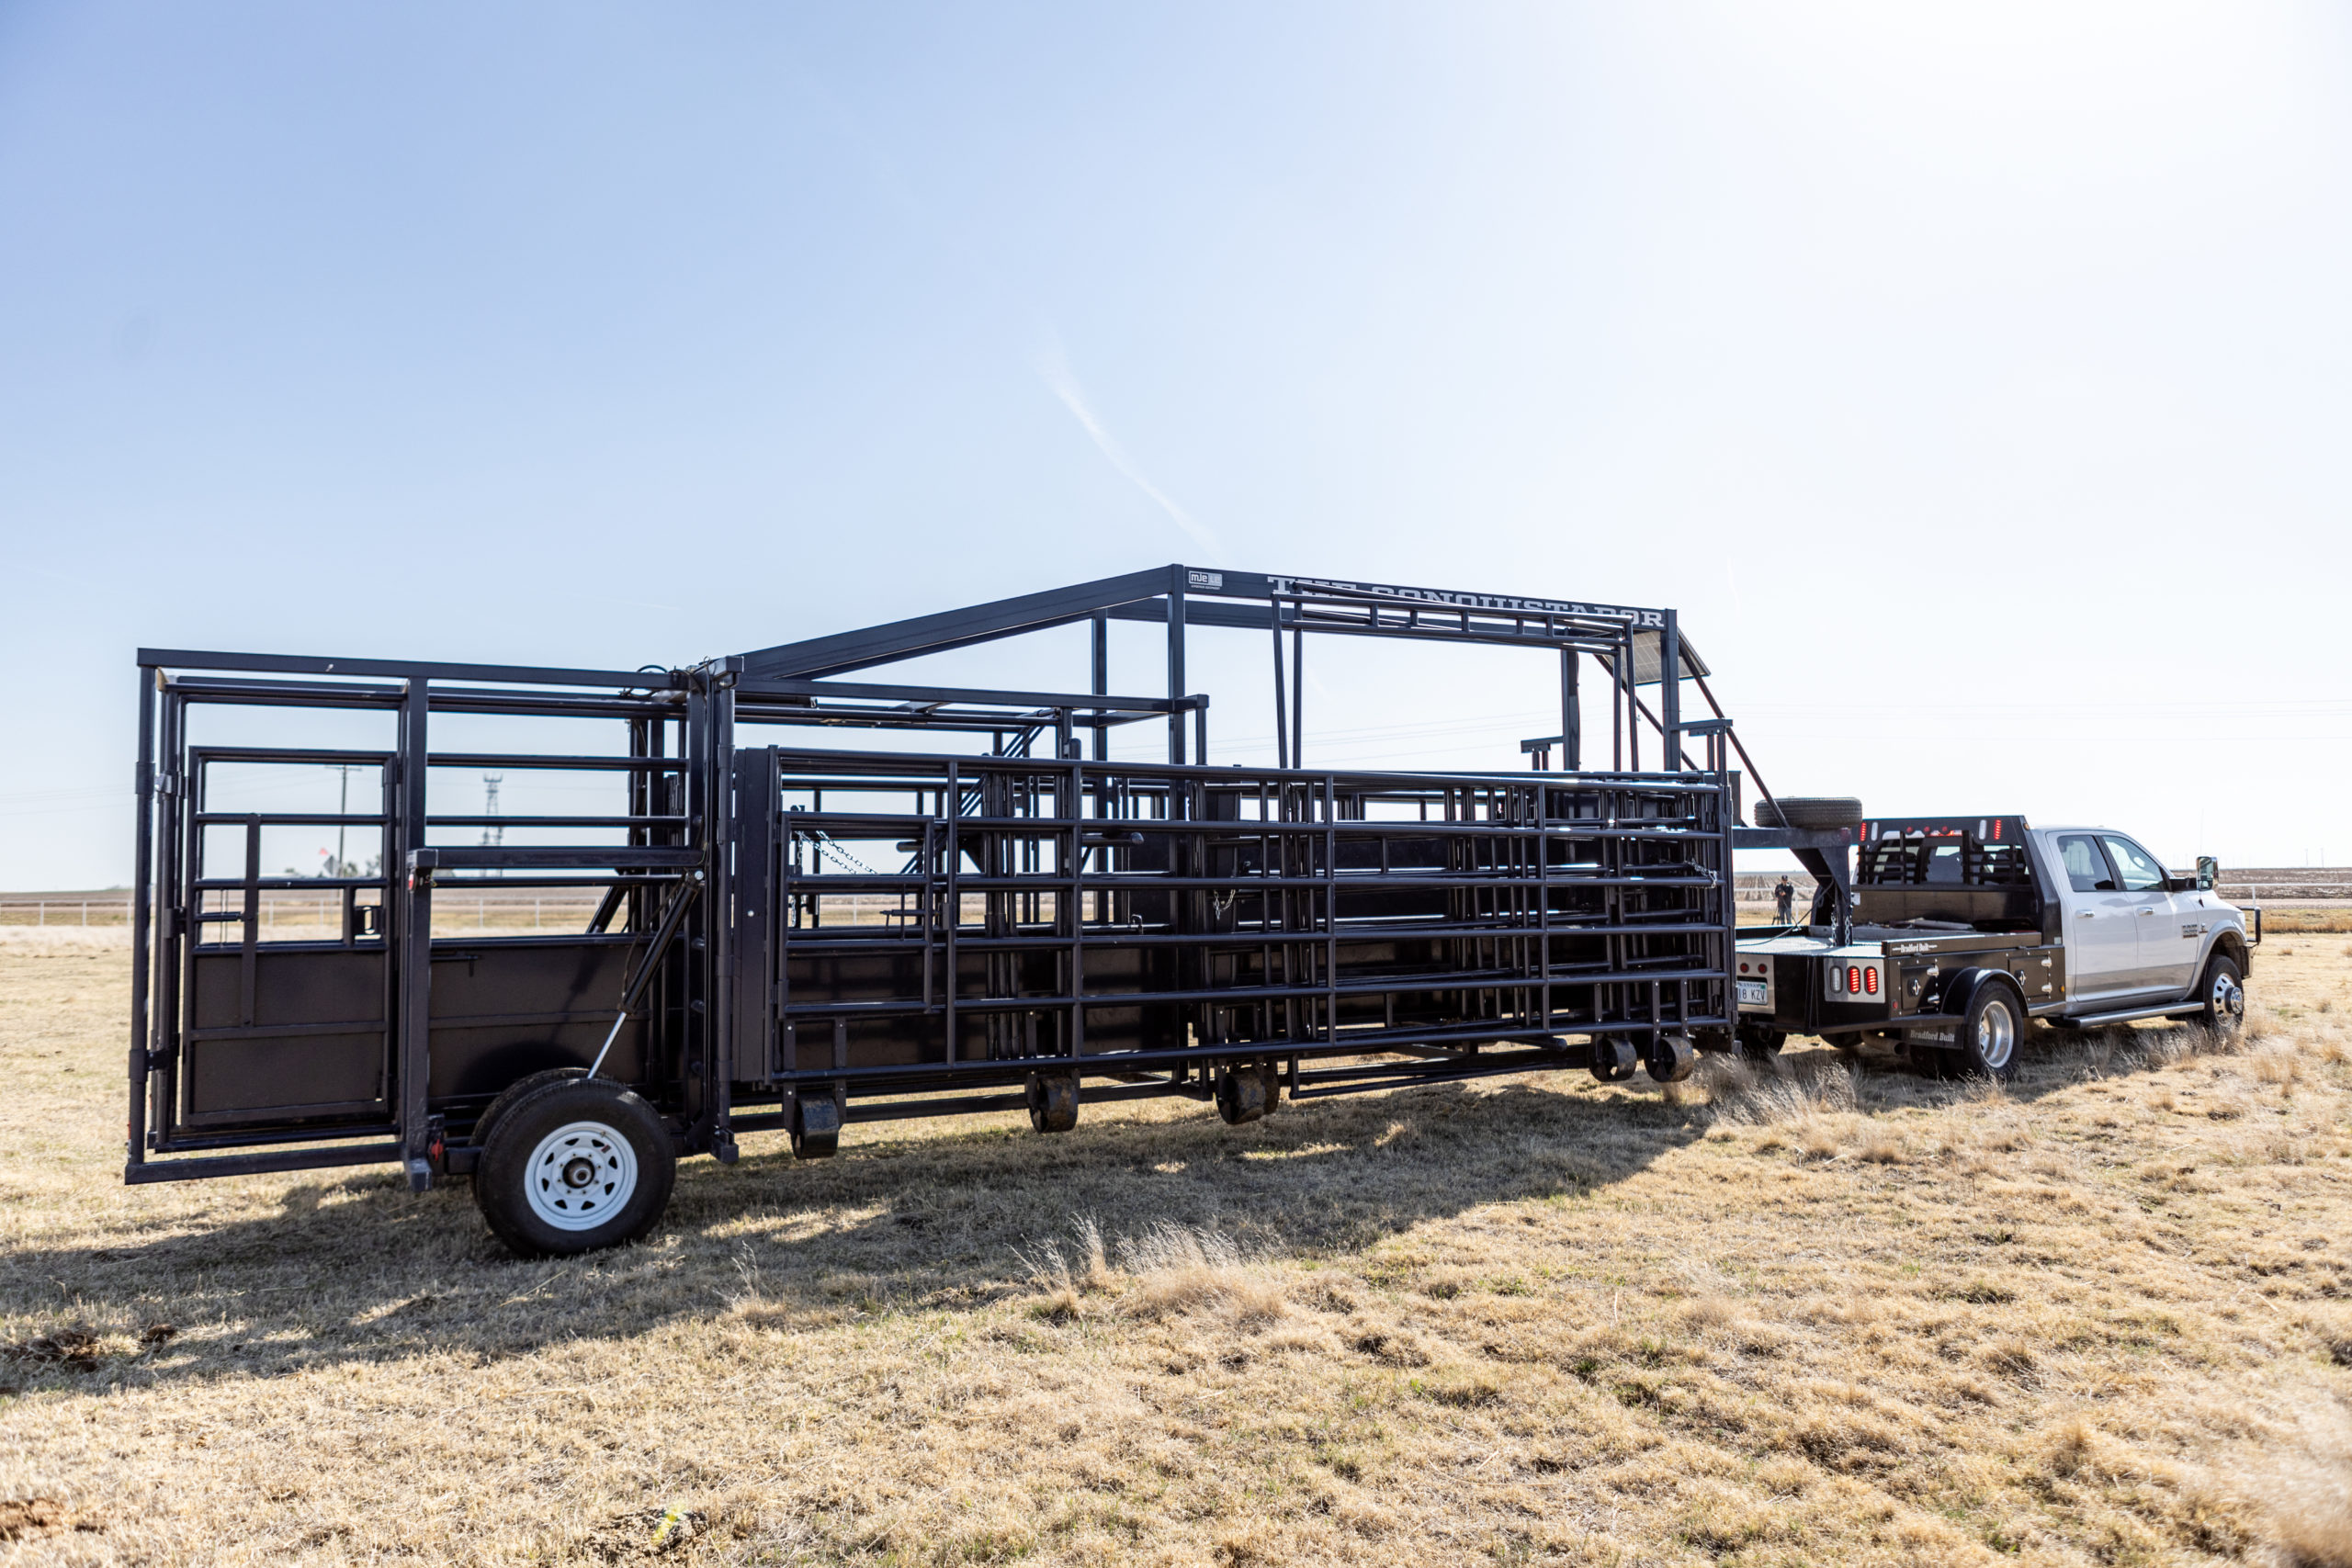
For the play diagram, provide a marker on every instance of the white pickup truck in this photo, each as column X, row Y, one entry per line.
column 1960, row 930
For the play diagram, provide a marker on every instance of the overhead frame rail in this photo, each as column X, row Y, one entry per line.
column 1043, row 909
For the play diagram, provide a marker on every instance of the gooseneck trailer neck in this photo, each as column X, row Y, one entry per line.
column 1056, row 928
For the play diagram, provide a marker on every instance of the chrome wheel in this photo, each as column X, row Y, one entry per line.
column 1997, row 1035
column 581, row 1175
column 2225, row 1001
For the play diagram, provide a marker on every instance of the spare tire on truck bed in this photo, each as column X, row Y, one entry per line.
column 1809, row 811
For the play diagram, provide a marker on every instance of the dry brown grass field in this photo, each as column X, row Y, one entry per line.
column 1831, row 1313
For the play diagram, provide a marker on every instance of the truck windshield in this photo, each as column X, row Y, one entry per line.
column 2140, row 872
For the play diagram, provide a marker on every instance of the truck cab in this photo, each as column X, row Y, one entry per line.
column 2133, row 929
column 2081, row 927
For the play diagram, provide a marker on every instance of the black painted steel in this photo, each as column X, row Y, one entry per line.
column 909, row 931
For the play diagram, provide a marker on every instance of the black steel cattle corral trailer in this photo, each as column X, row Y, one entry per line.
column 1053, row 929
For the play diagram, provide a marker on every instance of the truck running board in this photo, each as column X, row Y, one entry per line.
column 2173, row 1009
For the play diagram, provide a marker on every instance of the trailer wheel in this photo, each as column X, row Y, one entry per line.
column 1832, row 811
column 575, row 1166
column 1614, row 1058
column 1053, row 1101
column 1990, row 1033
column 2223, row 994
column 1761, row 1041
column 1669, row 1057
column 815, row 1125
column 1242, row 1093
column 516, row 1091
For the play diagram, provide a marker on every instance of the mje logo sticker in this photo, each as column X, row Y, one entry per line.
column 1204, row 579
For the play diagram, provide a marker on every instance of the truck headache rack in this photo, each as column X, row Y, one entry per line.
column 758, row 933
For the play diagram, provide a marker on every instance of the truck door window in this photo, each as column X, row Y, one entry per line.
column 2086, row 869
column 2140, row 872
column 1944, row 865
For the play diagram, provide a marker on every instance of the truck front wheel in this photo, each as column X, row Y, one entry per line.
column 2223, row 994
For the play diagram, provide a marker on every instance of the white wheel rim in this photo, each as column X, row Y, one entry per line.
column 1997, row 1035
column 581, row 1175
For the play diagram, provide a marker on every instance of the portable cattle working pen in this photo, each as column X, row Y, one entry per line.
column 1058, row 928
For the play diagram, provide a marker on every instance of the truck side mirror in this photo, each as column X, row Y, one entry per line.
column 2209, row 871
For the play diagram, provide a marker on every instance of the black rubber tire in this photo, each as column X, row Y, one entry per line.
column 516, row 1091
column 502, row 1183
column 1670, row 1058
column 814, row 1126
column 1826, row 811
column 1242, row 1093
column 1991, row 1033
column 1761, row 1041
column 1614, row 1058
column 1053, row 1101
column 2223, row 1016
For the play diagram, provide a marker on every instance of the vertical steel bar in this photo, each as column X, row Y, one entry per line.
column 415, row 955
column 142, row 785
column 1571, row 718
column 1632, row 705
column 955, row 803
column 1282, row 704
column 1102, row 682
column 176, row 838
column 1544, row 891
column 1071, row 904
column 1298, row 695
column 416, row 999
column 1330, row 906
column 1670, row 702
column 717, row 914
column 1175, row 663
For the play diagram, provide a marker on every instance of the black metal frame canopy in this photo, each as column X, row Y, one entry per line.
column 1139, row 928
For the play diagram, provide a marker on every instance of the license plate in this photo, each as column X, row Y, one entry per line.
column 1754, row 993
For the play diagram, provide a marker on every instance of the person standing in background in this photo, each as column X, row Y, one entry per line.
column 1784, row 899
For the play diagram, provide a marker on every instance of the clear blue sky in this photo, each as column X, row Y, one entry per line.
column 1977, row 380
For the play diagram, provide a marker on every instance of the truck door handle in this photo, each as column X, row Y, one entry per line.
column 2147, row 911
column 2087, row 914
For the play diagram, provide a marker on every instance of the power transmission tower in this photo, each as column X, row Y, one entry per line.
column 492, row 834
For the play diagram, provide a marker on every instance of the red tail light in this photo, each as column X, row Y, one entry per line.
column 1853, row 980
column 1870, row 979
